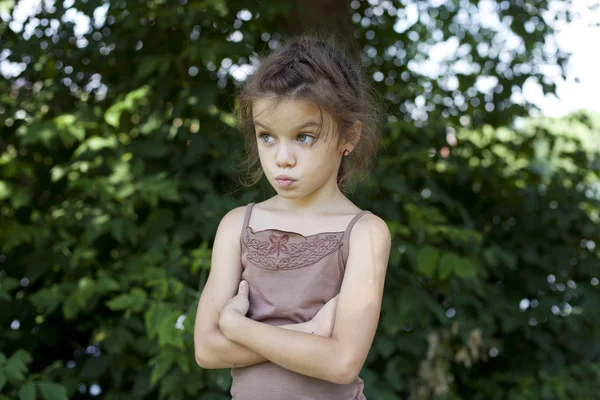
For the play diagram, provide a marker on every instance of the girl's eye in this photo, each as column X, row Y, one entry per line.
column 262, row 137
column 308, row 138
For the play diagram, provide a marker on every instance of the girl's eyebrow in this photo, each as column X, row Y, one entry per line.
column 300, row 126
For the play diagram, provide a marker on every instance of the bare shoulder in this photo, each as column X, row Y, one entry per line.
column 371, row 231
column 371, row 224
column 233, row 220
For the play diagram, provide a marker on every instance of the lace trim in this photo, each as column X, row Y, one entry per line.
column 277, row 254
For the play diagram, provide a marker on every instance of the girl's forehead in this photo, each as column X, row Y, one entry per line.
column 274, row 108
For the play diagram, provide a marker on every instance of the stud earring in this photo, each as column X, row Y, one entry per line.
column 346, row 152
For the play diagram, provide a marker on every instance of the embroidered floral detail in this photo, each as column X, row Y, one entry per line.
column 278, row 244
column 290, row 255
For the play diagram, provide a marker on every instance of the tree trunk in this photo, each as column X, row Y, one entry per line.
column 323, row 18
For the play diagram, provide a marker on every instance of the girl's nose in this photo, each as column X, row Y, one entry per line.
column 285, row 156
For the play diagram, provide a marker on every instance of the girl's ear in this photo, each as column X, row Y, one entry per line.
column 353, row 136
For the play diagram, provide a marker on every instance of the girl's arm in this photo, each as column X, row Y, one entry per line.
column 223, row 353
column 338, row 358
column 212, row 349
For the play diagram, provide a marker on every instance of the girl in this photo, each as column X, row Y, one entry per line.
column 293, row 297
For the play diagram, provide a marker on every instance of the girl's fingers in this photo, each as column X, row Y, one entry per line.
column 243, row 289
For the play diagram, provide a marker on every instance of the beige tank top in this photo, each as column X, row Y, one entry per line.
column 291, row 276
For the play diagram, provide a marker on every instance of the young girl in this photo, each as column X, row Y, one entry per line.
column 293, row 297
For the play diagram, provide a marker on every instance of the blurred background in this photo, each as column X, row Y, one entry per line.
column 117, row 161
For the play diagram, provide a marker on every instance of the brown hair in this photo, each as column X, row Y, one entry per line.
column 315, row 70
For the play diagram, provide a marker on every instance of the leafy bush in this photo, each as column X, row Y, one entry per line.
column 117, row 163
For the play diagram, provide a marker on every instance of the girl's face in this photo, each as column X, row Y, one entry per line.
column 284, row 134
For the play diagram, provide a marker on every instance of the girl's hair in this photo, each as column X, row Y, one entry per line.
column 313, row 69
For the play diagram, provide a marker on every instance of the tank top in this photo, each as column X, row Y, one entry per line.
column 290, row 276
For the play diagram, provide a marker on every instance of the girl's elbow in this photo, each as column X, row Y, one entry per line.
column 201, row 359
column 345, row 373
column 346, row 376
column 202, row 355
column 204, row 361
column 343, row 378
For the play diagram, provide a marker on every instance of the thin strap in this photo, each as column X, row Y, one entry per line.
column 246, row 220
column 346, row 244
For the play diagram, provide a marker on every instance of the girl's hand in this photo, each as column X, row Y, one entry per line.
column 322, row 322
column 236, row 307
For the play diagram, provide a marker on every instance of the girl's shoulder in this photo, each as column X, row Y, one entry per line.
column 370, row 221
column 233, row 220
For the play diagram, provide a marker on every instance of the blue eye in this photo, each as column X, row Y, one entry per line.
column 307, row 136
column 262, row 136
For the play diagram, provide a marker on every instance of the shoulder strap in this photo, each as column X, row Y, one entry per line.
column 346, row 245
column 246, row 220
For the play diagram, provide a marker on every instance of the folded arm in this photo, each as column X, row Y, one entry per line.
column 338, row 358
column 217, row 351
column 212, row 349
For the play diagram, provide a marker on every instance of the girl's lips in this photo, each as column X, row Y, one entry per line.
column 284, row 182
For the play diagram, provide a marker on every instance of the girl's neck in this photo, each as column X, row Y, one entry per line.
column 331, row 204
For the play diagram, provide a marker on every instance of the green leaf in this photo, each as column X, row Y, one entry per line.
column 489, row 255
column 152, row 124
column 40, row 132
column 16, row 365
column 4, row 190
column 6, row 6
column 141, row 384
column 47, row 299
column 160, row 288
column 52, row 391
column 446, row 267
column 96, row 143
column 207, row 99
column 147, row 67
column 183, row 362
column 201, row 258
column 113, row 113
column 427, row 259
column 135, row 300
column 219, row 377
column 391, row 323
column 94, row 367
column 165, row 64
column 27, row 391
column 2, row 380
column 509, row 259
column 7, row 284
column 385, row 346
column 71, row 306
column 116, row 339
column 168, row 334
column 393, row 373
column 79, row 299
column 154, row 317
column 465, row 268
column 448, row 262
column 117, row 228
column 162, row 363
column 149, row 148
column 106, row 284
column 171, row 386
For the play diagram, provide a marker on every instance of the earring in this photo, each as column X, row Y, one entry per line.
column 346, row 152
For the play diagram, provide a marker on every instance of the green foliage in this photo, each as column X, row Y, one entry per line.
column 15, row 372
column 116, row 165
